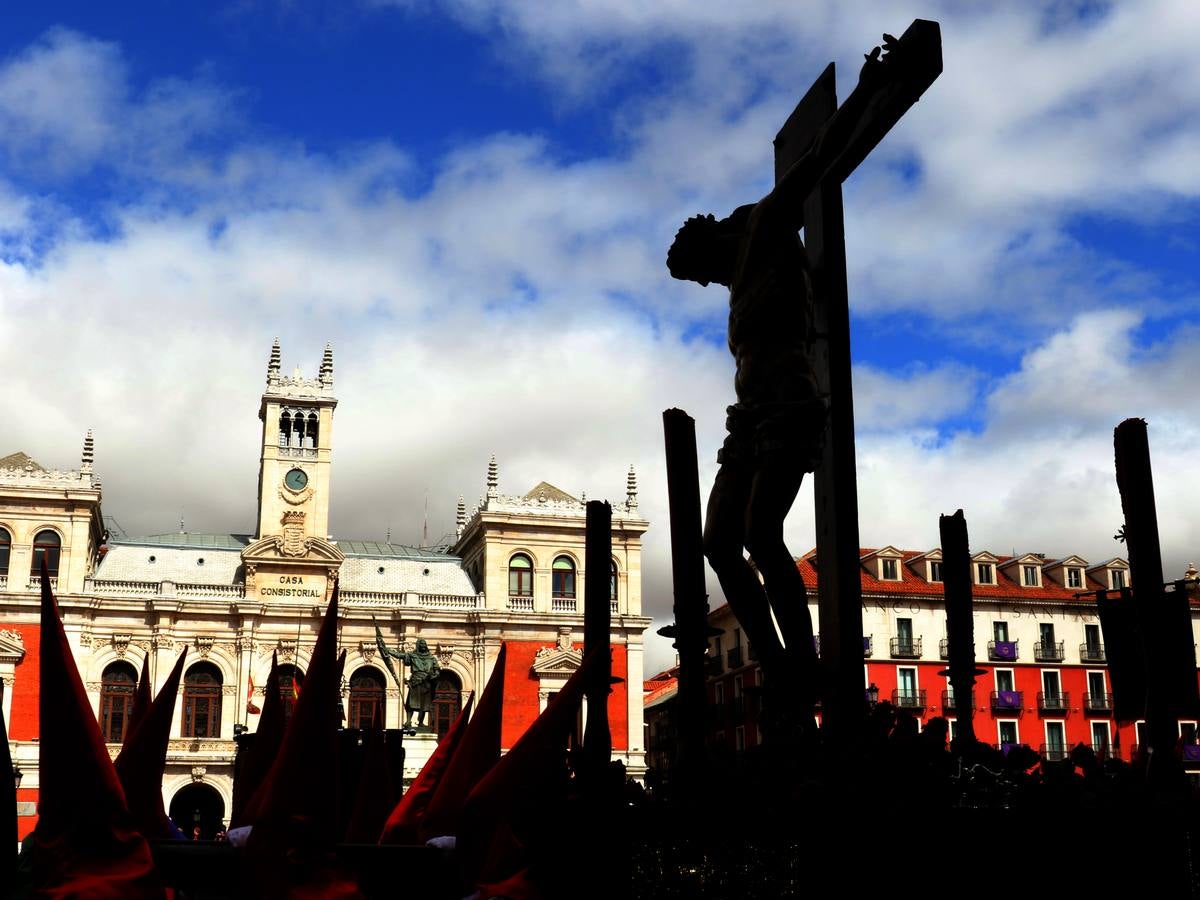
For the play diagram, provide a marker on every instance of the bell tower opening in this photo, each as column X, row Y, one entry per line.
column 295, row 460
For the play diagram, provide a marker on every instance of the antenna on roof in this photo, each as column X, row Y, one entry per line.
column 181, row 531
column 425, row 523
column 388, row 539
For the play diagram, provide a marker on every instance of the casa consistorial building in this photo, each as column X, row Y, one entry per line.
column 514, row 573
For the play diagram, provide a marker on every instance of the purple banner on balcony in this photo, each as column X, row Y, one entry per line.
column 1008, row 699
column 1191, row 752
column 1006, row 746
column 866, row 645
column 1006, row 650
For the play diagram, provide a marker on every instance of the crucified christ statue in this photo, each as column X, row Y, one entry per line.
column 777, row 427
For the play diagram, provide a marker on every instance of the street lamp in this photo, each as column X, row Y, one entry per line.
column 873, row 695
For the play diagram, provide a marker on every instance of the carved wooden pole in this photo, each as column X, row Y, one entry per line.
column 597, row 628
column 691, row 629
column 1165, row 620
column 960, row 625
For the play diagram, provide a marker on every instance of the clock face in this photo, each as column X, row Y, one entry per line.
column 296, row 479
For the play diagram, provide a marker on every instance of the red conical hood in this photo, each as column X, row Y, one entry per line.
column 84, row 843
column 143, row 758
column 142, row 699
column 531, row 777
column 375, row 795
column 263, row 751
column 295, row 813
column 402, row 826
column 476, row 756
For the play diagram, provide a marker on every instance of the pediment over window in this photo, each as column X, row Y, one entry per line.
column 12, row 647
column 556, row 662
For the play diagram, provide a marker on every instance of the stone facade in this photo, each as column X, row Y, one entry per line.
column 234, row 599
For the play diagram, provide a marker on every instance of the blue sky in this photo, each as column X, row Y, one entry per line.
column 473, row 199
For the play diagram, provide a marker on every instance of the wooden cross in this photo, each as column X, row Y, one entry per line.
column 847, row 135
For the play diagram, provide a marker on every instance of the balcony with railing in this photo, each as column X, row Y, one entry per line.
column 944, row 648
column 563, row 605
column 520, row 604
column 1191, row 756
column 1003, row 651
column 1053, row 752
column 734, row 658
column 906, row 648
column 1010, row 702
column 35, row 582
column 950, row 702
column 1049, row 651
column 1104, row 751
column 714, row 664
column 1053, row 704
column 868, row 645
column 1097, row 704
column 909, row 699
column 3, row 582
column 1091, row 653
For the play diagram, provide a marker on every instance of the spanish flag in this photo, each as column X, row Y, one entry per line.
column 251, row 708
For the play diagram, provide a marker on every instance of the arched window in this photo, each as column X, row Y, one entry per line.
column 520, row 576
column 612, row 585
column 366, row 699
column 285, row 428
column 447, row 701
column 311, row 427
column 118, row 684
column 5, row 550
column 291, row 680
column 47, row 545
column 298, row 429
column 202, row 701
column 562, row 578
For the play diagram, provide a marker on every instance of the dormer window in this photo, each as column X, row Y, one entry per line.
column 984, row 573
column 890, row 569
column 1031, row 576
column 1116, row 578
column 1074, row 577
column 935, row 570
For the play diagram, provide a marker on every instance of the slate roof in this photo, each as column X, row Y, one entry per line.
column 177, row 557
column 131, row 561
column 19, row 460
column 550, row 492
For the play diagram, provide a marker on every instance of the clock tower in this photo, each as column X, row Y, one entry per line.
column 293, row 472
column 293, row 485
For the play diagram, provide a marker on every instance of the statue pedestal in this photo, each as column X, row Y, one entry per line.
column 417, row 750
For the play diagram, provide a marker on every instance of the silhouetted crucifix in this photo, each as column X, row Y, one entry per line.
column 789, row 334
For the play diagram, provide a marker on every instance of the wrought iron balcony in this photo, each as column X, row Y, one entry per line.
column 734, row 657
column 950, row 703
column 714, row 664
column 1005, row 651
column 909, row 699
column 1091, row 653
column 1049, row 651
column 944, row 648
column 906, row 648
column 1104, row 751
column 1053, row 704
column 1054, row 752
column 1097, row 703
column 738, row 708
column 868, row 645
column 1007, row 701
column 751, row 654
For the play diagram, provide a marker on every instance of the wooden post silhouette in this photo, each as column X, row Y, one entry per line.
column 597, row 630
column 1170, row 656
column 960, row 625
column 691, row 629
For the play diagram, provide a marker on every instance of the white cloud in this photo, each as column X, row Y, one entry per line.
column 520, row 304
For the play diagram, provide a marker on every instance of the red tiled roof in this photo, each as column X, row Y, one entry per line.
column 912, row 581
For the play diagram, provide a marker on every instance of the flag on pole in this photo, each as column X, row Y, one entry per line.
column 384, row 657
column 251, row 709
